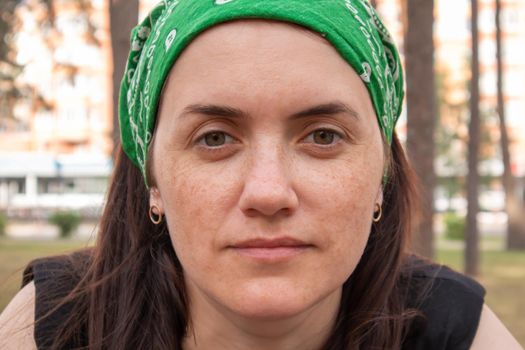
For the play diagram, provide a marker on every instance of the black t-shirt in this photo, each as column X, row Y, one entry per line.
column 450, row 303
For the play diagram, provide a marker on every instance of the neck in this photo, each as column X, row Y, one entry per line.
column 213, row 327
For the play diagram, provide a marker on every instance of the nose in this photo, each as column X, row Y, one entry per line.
column 268, row 189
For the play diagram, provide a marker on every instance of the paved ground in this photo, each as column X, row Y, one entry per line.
column 44, row 230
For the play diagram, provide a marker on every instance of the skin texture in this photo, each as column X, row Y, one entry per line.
column 492, row 333
column 16, row 321
column 271, row 175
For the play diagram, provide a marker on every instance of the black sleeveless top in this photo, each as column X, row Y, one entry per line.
column 450, row 304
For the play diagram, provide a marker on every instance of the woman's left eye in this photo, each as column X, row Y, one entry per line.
column 324, row 137
column 214, row 139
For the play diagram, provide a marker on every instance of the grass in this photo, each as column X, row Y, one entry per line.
column 502, row 273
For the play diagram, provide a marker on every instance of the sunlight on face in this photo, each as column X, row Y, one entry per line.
column 268, row 161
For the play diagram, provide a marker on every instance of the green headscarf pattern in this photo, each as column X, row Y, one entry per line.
column 351, row 26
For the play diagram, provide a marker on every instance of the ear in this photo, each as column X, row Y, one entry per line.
column 155, row 199
column 379, row 196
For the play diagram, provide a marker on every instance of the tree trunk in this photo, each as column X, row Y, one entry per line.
column 123, row 17
column 472, row 237
column 513, row 207
column 421, row 107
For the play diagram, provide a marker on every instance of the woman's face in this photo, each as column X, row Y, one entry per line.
column 267, row 162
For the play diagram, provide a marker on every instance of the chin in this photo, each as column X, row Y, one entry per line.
column 270, row 311
column 272, row 304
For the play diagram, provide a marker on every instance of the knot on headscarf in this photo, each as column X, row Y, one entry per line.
column 351, row 26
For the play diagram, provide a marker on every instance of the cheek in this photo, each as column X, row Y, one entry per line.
column 196, row 201
column 346, row 236
column 342, row 201
column 346, row 239
column 345, row 191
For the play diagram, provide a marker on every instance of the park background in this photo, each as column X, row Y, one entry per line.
column 463, row 126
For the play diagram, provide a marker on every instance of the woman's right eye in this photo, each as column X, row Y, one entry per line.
column 214, row 139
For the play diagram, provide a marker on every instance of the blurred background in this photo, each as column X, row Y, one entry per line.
column 463, row 127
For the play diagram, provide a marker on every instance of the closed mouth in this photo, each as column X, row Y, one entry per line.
column 271, row 250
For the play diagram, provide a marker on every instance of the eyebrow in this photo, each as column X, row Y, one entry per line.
column 331, row 108
column 215, row 111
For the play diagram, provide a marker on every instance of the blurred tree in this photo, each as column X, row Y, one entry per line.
column 515, row 210
column 421, row 107
column 123, row 17
column 471, row 236
column 44, row 14
column 9, row 69
column 451, row 135
column 53, row 36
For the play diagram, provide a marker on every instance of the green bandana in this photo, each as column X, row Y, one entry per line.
column 351, row 26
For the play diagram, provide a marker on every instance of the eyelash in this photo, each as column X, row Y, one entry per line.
column 200, row 140
column 337, row 135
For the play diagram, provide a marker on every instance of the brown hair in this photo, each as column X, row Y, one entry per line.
column 132, row 293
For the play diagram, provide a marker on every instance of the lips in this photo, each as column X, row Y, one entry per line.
column 271, row 250
column 270, row 243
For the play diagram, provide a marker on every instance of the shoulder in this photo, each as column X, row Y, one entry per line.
column 54, row 280
column 449, row 306
column 492, row 334
column 46, row 282
column 441, row 290
column 17, row 321
column 59, row 269
column 55, row 277
column 435, row 277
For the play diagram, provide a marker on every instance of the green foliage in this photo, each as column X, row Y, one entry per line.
column 67, row 222
column 3, row 223
column 454, row 226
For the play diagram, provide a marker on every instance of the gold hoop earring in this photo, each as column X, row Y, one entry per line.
column 378, row 213
column 155, row 218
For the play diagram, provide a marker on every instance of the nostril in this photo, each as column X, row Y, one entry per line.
column 253, row 212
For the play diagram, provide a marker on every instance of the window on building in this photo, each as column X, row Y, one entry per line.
column 49, row 185
column 67, row 185
column 14, row 185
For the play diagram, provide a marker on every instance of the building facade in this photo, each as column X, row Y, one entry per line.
column 55, row 146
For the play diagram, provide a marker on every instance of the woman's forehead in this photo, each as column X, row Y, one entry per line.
column 242, row 57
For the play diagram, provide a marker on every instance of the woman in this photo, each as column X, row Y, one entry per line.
column 261, row 200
